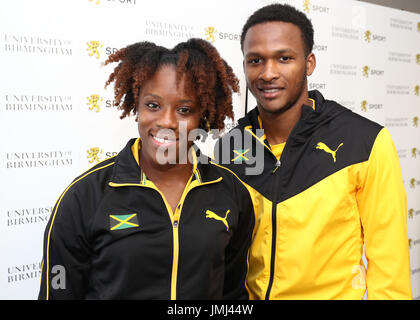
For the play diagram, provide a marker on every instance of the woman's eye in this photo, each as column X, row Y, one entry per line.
column 184, row 110
column 152, row 106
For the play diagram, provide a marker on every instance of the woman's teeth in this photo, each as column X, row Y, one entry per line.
column 160, row 140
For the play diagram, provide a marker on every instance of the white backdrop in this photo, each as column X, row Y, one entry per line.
column 56, row 120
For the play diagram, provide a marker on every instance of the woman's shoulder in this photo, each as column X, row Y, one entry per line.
column 98, row 173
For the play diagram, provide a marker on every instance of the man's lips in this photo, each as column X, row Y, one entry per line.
column 270, row 92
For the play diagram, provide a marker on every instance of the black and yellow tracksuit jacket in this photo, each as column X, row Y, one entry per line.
column 336, row 187
column 117, row 238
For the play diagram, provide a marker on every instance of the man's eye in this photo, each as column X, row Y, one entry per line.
column 284, row 59
column 254, row 61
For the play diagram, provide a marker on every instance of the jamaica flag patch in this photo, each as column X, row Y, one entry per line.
column 123, row 221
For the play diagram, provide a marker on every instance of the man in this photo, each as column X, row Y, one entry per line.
column 330, row 182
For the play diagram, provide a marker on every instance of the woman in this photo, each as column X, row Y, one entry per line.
column 154, row 222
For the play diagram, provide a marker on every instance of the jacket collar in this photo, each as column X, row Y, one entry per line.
column 127, row 169
column 312, row 117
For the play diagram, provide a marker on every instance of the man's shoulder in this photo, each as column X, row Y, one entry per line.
column 345, row 119
column 357, row 125
column 242, row 123
column 352, row 133
column 341, row 115
column 237, row 133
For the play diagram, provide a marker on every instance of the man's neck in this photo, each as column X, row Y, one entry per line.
column 278, row 126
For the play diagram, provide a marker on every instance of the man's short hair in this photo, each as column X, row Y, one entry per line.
column 282, row 13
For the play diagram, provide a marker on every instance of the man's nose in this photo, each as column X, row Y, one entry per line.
column 270, row 71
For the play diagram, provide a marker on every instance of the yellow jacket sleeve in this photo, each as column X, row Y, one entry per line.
column 382, row 203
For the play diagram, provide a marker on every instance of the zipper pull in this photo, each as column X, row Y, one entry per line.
column 278, row 163
column 175, row 224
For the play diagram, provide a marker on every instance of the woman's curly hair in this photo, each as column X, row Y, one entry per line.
column 208, row 77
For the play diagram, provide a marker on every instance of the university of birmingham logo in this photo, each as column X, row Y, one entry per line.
column 210, row 31
column 306, row 6
column 416, row 122
column 93, row 48
column 93, row 154
column 364, row 105
column 322, row 146
column 417, row 90
column 93, row 102
column 366, row 71
column 368, row 34
column 412, row 183
column 410, row 243
column 414, row 152
column 418, row 26
column 418, row 58
column 410, row 213
column 212, row 215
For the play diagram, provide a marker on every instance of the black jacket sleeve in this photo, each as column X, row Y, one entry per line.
column 236, row 254
column 66, row 254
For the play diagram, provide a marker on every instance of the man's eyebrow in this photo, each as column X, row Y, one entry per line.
column 277, row 52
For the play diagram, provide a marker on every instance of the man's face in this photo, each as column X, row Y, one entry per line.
column 275, row 65
column 165, row 105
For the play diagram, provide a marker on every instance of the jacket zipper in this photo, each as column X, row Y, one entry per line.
column 273, row 217
column 175, row 218
column 276, row 198
column 174, row 223
column 274, row 207
column 274, row 231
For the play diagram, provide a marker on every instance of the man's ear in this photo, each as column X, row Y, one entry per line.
column 310, row 63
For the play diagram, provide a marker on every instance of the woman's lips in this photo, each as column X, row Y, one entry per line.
column 162, row 141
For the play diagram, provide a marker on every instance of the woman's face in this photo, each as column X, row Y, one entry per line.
column 167, row 114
